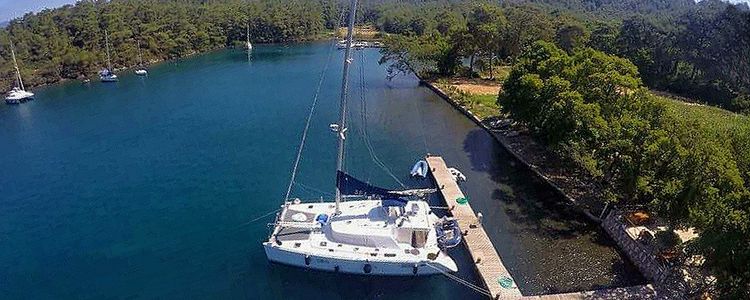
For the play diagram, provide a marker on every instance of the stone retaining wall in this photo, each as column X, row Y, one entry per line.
column 500, row 139
column 642, row 256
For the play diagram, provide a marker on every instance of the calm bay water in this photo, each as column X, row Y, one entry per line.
column 144, row 188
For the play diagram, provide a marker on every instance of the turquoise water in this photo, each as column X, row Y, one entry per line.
column 144, row 188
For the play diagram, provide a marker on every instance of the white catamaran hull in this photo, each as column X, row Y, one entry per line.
column 17, row 96
column 331, row 264
column 365, row 238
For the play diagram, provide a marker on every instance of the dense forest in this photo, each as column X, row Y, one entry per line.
column 580, row 79
column 697, row 50
column 690, row 165
column 69, row 42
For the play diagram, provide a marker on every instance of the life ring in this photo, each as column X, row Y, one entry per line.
column 307, row 260
column 367, row 268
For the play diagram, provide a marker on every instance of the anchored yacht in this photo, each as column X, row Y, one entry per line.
column 140, row 71
column 378, row 232
column 18, row 94
column 367, row 230
column 106, row 75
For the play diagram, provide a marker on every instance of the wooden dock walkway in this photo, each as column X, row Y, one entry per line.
column 496, row 277
column 488, row 263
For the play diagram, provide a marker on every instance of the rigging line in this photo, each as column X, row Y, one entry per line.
column 309, row 118
column 312, row 189
column 421, row 122
column 461, row 281
column 259, row 218
column 364, row 131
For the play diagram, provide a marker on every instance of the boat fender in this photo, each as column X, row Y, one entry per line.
column 367, row 268
column 307, row 260
column 336, row 269
column 415, row 269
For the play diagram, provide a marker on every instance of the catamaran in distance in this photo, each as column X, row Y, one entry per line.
column 375, row 231
column 106, row 75
column 140, row 71
column 18, row 94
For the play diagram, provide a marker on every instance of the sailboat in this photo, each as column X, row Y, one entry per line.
column 376, row 231
column 106, row 75
column 248, row 45
column 19, row 93
column 140, row 71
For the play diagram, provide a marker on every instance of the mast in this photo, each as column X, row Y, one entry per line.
column 106, row 41
column 15, row 64
column 140, row 58
column 344, row 85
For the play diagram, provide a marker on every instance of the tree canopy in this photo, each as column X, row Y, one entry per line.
column 690, row 164
column 68, row 42
column 696, row 50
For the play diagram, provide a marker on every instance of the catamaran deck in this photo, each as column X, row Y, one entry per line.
column 486, row 260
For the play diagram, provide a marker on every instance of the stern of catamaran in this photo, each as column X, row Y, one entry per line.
column 445, row 262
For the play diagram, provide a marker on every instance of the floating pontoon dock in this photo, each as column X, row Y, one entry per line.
column 487, row 262
column 496, row 277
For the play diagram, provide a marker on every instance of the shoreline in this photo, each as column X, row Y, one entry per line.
column 503, row 139
column 120, row 70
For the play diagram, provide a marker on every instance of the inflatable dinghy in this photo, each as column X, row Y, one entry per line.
column 420, row 169
column 448, row 233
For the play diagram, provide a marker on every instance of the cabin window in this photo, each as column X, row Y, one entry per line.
column 323, row 244
column 373, row 254
column 296, row 245
column 390, row 255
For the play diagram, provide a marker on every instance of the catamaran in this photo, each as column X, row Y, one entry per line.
column 18, row 94
column 140, row 71
column 376, row 231
column 106, row 75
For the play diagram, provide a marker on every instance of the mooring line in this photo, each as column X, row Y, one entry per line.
column 259, row 218
column 461, row 281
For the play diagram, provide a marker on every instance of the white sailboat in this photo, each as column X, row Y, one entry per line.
column 375, row 232
column 19, row 93
column 106, row 75
column 140, row 71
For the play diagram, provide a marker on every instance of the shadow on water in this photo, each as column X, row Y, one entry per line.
column 547, row 243
column 296, row 283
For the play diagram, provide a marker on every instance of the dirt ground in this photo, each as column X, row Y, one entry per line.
column 360, row 32
column 476, row 86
